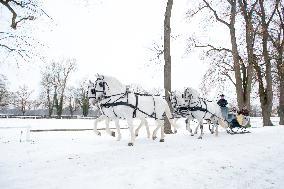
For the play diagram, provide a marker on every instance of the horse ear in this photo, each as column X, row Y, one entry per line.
column 90, row 82
column 97, row 75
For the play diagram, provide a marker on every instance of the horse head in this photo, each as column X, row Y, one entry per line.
column 103, row 87
column 190, row 94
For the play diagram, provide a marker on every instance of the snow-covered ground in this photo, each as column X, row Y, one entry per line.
column 82, row 160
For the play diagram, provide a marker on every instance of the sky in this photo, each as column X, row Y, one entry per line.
column 114, row 38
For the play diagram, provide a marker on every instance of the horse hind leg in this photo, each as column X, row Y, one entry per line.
column 216, row 130
column 162, row 133
column 116, row 121
column 174, row 122
column 132, row 134
column 187, row 122
column 201, row 131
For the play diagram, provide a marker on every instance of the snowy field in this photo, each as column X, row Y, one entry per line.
column 82, row 160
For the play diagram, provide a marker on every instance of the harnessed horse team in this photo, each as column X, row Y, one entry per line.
column 115, row 101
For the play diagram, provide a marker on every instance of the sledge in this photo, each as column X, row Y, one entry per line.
column 237, row 124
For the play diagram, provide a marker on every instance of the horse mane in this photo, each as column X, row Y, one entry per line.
column 113, row 85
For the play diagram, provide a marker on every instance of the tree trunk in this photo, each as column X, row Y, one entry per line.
column 266, row 93
column 85, row 107
column 167, row 58
column 280, row 69
column 49, row 103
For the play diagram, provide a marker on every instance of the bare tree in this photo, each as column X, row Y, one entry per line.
column 167, row 58
column 47, row 79
column 72, row 100
column 22, row 99
column 55, row 77
column 82, row 97
column 19, row 41
column 276, row 34
column 233, row 67
column 263, row 66
column 4, row 93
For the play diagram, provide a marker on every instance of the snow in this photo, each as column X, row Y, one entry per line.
column 82, row 160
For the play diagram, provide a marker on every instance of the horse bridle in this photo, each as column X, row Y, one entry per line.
column 94, row 91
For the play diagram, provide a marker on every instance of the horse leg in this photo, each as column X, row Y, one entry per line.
column 138, row 128
column 174, row 129
column 132, row 135
column 108, row 131
column 162, row 132
column 201, row 130
column 96, row 125
column 147, row 128
column 187, row 122
column 143, row 122
column 216, row 129
column 196, row 128
column 116, row 121
column 155, row 131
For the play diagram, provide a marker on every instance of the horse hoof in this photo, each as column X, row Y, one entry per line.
column 136, row 135
column 175, row 132
column 99, row 134
column 130, row 144
column 162, row 140
column 192, row 135
column 113, row 133
column 154, row 138
column 199, row 137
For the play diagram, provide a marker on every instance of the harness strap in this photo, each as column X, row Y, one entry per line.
column 108, row 105
column 136, row 106
column 154, row 112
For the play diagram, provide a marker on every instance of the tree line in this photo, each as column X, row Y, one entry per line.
column 252, row 61
column 254, row 58
column 56, row 93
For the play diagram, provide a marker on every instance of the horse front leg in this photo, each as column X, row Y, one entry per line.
column 196, row 128
column 201, row 130
column 132, row 134
column 143, row 122
column 108, row 131
column 187, row 122
column 99, row 119
column 116, row 121
column 162, row 132
column 147, row 128
column 154, row 135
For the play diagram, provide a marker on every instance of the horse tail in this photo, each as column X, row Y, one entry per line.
column 170, row 116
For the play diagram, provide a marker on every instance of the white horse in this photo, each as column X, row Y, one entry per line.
column 108, row 118
column 181, row 110
column 191, row 105
column 117, row 102
column 204, row 109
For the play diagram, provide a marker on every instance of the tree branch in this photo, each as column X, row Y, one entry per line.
column 215, row 14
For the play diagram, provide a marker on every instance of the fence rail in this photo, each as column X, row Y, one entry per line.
column 45, row 117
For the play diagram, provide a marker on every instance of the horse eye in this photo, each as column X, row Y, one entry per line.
column 101, row 84
column 93, row 91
